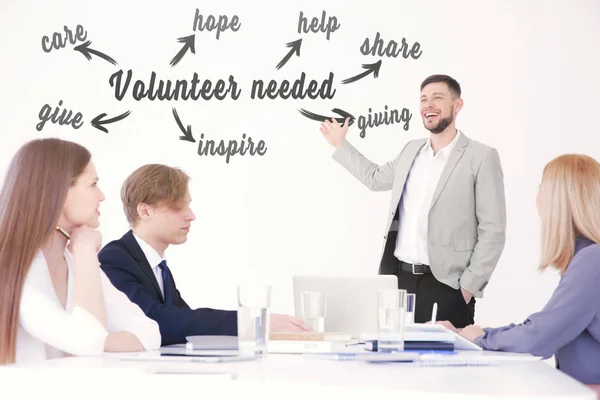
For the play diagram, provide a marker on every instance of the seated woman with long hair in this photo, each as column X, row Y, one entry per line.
column 54, row 298
column 568, row 327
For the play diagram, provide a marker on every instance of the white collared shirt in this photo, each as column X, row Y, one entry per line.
column 423, row 177
column 154, row 259
column 47, row 330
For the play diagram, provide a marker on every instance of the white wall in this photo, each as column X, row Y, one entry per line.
column 528, row 69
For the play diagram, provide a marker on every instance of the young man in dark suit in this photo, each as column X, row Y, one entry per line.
column 156, row 202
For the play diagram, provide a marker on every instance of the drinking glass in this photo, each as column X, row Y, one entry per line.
column 409, row 316
column 391, row 305
column 313, row 306
column 253, row 305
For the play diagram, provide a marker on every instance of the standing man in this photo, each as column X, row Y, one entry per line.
column 446, row 227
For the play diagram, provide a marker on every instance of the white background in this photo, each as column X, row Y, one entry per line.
column 531, row 86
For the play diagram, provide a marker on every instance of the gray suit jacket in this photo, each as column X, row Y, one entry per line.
column 467, row 218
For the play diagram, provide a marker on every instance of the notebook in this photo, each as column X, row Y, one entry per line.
column 471, row 358
column 452, row 359
column 201, row 342
column 430, row 333
column 371, row 345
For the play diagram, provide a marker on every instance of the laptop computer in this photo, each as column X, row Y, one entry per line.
column 351, row 300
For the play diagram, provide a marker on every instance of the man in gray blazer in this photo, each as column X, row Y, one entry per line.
column 445, row 229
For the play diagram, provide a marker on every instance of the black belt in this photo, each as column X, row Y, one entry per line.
column 416, row 269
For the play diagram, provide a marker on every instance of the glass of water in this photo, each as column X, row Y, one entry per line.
column 253, row 304
column 409, row 316
column 391, row 309
column 313, row 306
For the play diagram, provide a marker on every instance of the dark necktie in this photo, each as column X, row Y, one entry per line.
column 167, row 284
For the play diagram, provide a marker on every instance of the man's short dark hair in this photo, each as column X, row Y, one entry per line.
column 453, row 85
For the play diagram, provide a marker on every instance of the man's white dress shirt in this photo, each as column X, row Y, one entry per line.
column 153, row 259
column 423, row 177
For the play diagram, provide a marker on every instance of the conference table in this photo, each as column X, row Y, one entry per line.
column 281, row 376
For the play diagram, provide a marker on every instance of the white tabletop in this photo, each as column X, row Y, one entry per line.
column 285, row 377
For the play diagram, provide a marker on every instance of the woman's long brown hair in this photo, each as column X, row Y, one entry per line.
column 31, row 202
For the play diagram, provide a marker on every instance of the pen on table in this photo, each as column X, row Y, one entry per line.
column 434, row 313
column 64, row 233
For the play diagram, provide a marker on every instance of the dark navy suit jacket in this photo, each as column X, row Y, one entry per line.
column 126, row 266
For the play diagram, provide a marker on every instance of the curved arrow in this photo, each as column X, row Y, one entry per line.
column 97, row 122
column 295, row 49
column 84, row 49
column 187, row 133
column 374, row 68
column 188, row 44
column 322, row 118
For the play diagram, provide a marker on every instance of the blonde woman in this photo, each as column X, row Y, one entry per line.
column 568, row 327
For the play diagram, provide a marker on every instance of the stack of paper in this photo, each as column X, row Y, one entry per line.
column 308, row 342
column 311, row 336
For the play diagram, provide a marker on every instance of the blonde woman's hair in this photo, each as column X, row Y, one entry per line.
column 570, row 206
